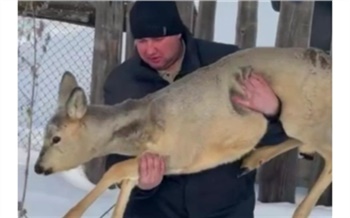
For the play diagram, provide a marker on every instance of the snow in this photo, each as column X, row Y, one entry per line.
column 53, row 196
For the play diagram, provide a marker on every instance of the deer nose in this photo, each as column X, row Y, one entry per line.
column 38, row 169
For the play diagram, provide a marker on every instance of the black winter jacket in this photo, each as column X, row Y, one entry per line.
column 214, row 193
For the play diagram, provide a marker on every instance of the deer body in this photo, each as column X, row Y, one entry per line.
column 194, row 124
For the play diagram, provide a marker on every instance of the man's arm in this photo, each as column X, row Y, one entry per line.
column 260, row 97
column 275, row 133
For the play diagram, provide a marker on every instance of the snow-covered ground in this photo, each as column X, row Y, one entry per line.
column 52, row 196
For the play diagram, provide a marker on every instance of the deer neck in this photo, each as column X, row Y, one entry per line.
column 125, row 129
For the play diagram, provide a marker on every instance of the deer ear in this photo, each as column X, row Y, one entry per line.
column 76, row 105
column 67, row 84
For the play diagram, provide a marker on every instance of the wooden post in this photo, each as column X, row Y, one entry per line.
column 246, row 24
column 130, row 48
column 205, row 20
column 294, row 25
column 194, row 19
column 186, row 13
column 106, row 54
column 278, row 177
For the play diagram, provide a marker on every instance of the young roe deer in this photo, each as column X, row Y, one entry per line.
column 195, row 125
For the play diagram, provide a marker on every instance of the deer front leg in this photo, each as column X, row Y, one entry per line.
column 123, row 198
column 126, row 171
column 264, row 154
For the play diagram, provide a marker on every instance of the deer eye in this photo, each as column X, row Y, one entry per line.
column 56, row 139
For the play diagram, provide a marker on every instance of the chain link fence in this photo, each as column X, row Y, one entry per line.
column 45, row 51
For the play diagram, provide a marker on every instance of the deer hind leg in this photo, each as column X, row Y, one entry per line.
column 323, row 181
column 264, row 154
column 125, row 172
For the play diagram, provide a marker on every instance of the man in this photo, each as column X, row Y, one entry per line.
column 166, row 52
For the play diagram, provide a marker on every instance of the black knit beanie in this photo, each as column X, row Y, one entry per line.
column 155, row 19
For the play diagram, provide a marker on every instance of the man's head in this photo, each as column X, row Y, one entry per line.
column 157, row 29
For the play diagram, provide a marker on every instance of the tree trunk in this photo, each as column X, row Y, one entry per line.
column 246, row 24
column 205, row 20
column 278, row 177
column 106, row 54
column 186, row 10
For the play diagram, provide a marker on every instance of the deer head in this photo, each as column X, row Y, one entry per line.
column 78, row 132
column 65, row 145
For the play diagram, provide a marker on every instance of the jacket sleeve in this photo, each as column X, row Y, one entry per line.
column 275, row 133
column 116, row 90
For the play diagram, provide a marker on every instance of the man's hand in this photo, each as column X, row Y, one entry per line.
column 151, row 171
column 258, row 96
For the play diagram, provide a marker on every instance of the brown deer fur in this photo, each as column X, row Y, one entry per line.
column 194, row 124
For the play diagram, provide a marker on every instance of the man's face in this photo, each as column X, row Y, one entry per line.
column 160, row 52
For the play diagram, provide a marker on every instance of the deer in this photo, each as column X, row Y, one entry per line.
column 194, row 125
